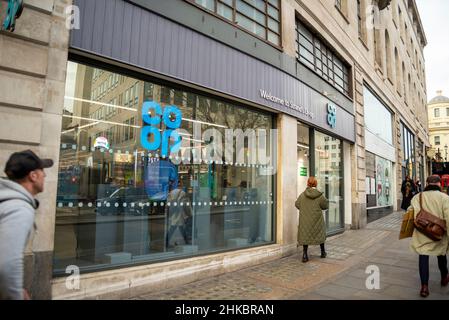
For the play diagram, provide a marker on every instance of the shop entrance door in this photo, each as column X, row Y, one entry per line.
column 303, row 156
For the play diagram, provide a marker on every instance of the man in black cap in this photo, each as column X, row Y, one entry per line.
column 25, row 171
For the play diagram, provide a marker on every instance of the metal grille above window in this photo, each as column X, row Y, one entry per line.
column 261, row 17
column 316, row 55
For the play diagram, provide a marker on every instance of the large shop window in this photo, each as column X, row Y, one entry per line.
column 329, row 173
column 378, row 119
column 379, row 181
column 408, row 153
column 313, row 53
column 261, row 17
column 120, row 202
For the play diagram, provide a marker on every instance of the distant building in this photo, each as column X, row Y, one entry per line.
column 438, row 113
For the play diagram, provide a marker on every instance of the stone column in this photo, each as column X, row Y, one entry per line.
column 358, row 171
column 287, row 215
column 33, row 64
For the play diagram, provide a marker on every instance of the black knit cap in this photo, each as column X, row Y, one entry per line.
column 22, row 163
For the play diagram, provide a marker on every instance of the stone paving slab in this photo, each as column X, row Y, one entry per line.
column 226, row 287
column 340, row 276
column 294, row 274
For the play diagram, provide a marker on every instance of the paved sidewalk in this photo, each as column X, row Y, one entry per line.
column 340, row 276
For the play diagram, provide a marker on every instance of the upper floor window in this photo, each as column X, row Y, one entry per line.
column 261, row 17
column 359, row 18
column 437, row 140
column 447, row 112
column 436, row 112
column 316, row 55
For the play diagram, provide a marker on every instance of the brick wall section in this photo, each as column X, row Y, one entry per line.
column 33, row 61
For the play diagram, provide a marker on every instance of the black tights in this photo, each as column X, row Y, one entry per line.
column 424, row 268
column 305, row 247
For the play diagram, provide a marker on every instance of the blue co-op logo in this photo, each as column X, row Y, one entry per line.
column 331, row 115
column 171, row 117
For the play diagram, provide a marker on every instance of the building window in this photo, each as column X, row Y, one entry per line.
column 437, row 140
column 329, row 173
column 447, row 112
column 359, row 18
column 261, row 17
column 119, row 204
column 378, row 118
column 436, row 112
column 379, row 181
column 313, row 53
column 408, row 152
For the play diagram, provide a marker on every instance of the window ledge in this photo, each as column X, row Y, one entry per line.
column 377, row 68
column 343, row 15
column 364, row 43
column 390, row 81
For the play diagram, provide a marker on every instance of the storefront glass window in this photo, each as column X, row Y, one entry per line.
column 378, row 119
column 329, row 173
column 408, row 153
column 379, row 181
column 120, row 202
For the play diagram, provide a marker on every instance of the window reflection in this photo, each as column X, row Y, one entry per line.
column 329, row 173
column 119, row 204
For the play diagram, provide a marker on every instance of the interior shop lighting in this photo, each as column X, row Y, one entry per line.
column 100, row 103
column 205, row 123
column 82, row 127
column 102, row 121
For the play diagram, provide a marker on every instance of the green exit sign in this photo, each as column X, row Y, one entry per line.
column 303, row 171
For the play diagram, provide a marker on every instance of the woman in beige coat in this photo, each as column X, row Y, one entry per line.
column 437, row 203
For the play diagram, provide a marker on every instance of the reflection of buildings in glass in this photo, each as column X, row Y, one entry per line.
column 107, row 105
column 98, row 148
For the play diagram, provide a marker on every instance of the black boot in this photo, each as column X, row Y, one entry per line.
column 323, row 251
column 305, row 257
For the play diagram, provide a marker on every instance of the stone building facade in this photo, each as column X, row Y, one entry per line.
column 374, row 66
column 438, row 116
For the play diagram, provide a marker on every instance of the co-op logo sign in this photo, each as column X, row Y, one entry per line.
column 172, row 117
column 331, row 115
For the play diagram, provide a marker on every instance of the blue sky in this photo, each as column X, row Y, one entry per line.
column 435, row 16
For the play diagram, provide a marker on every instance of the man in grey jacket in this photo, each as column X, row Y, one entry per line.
column 25, row 171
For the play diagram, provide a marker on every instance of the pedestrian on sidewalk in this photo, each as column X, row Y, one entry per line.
column 418, row 186
column 437, row 203
column 311, row 228
column 25, row 171
column 408, row 190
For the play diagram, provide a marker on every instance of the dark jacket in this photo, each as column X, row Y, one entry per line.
column 408, row 190
column 311, row 228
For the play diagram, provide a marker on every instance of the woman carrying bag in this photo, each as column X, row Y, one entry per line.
column 311, row 228
column 437, row 203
